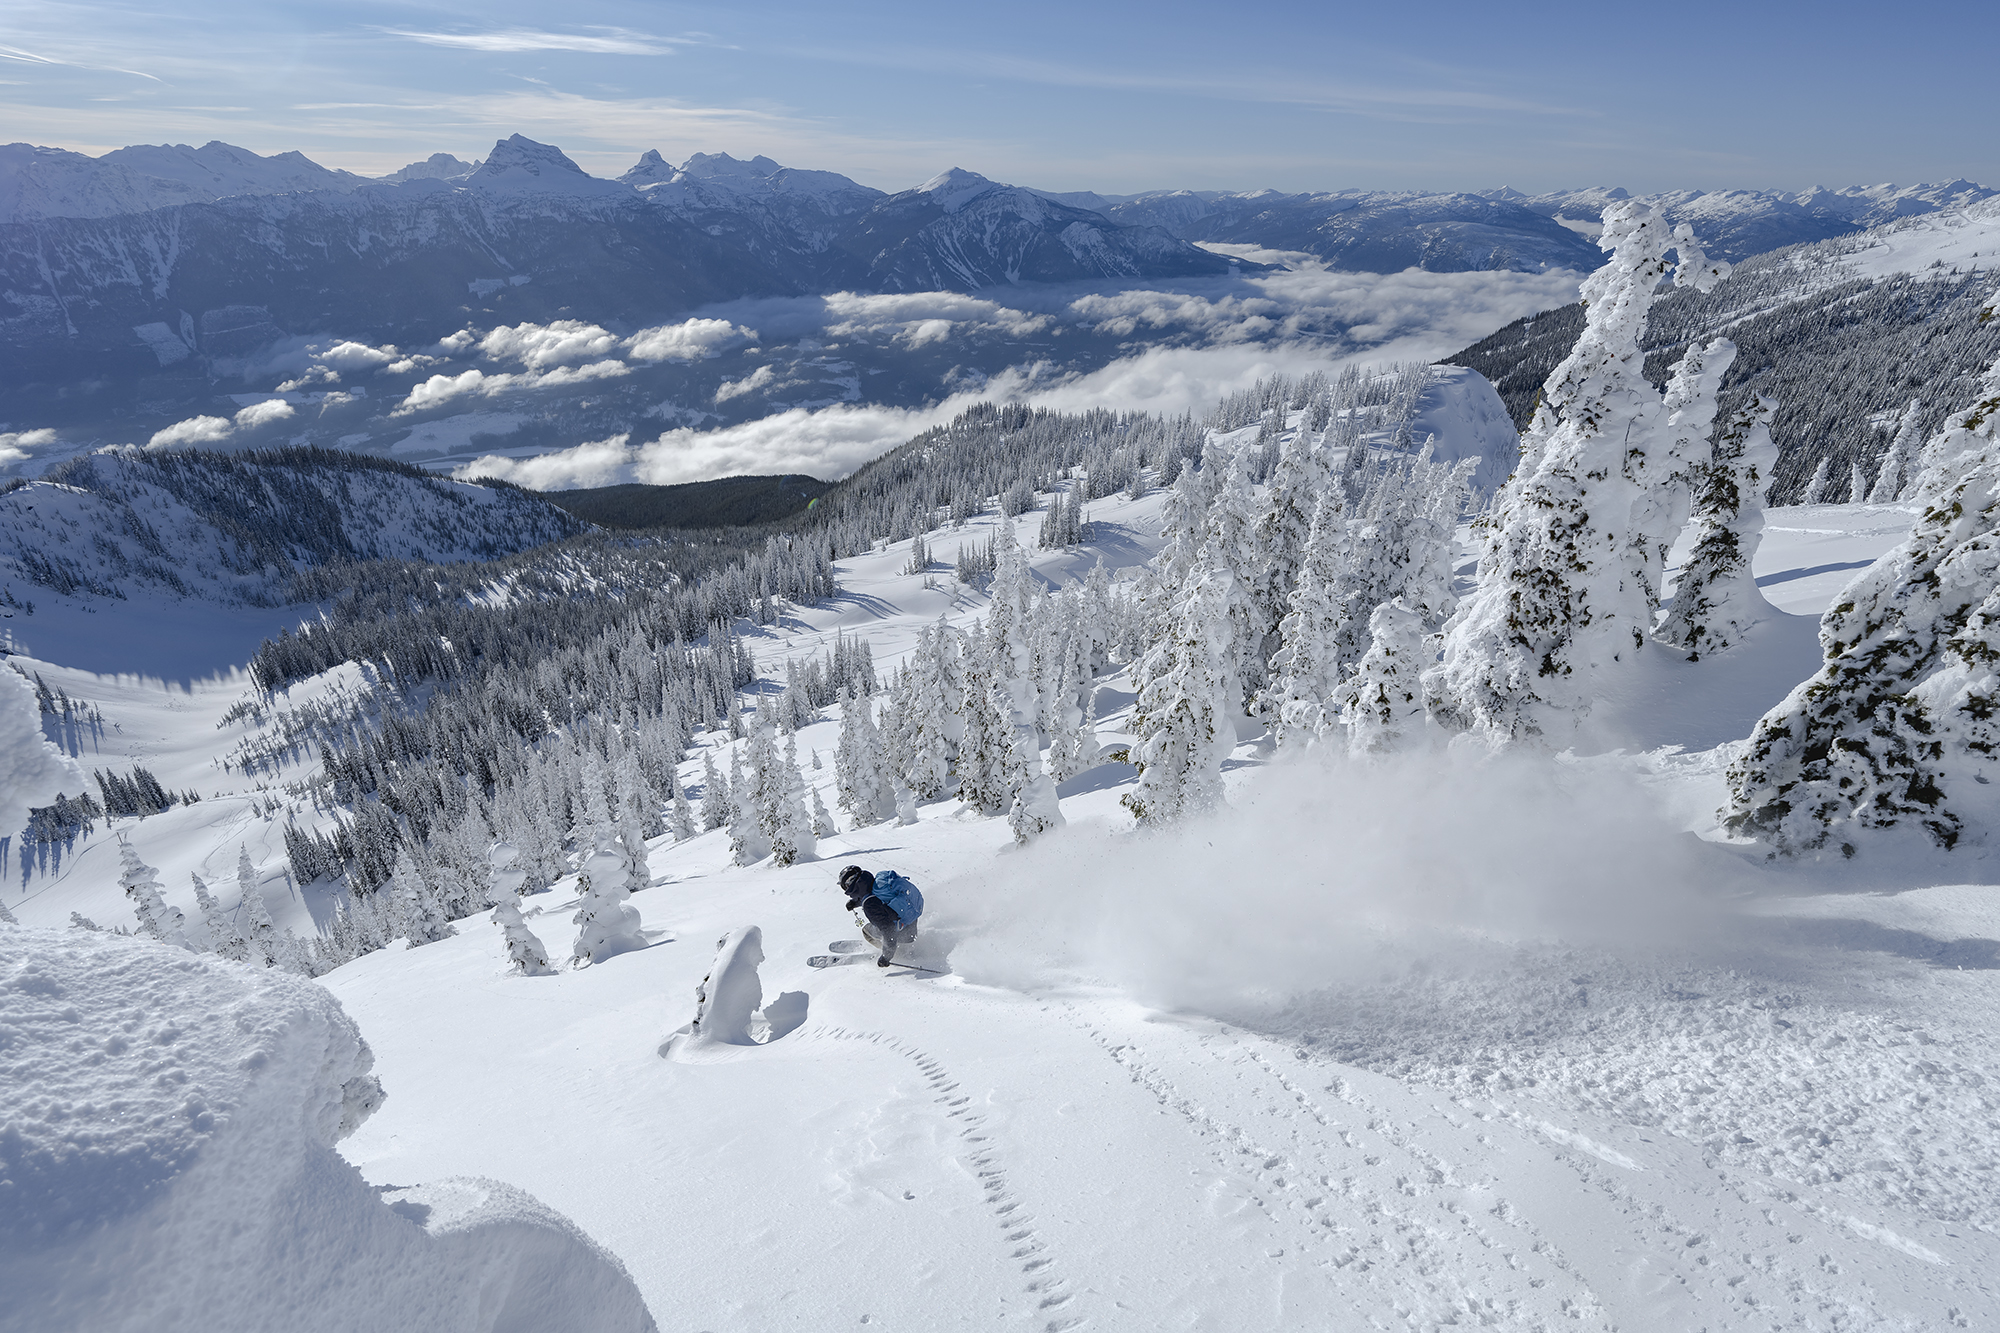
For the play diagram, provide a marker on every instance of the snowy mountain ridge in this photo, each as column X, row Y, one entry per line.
column 233, row 529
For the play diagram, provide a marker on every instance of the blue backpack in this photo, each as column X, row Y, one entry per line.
column 899, row 896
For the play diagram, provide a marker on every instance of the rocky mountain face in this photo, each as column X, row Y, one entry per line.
column 960, row 231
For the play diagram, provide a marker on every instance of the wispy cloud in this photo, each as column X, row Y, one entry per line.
column 31, row 58
column 594, row 41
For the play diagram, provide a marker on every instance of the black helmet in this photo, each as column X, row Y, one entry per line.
column 854, row 881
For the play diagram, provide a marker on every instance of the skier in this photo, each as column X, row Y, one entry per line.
column 891, row 903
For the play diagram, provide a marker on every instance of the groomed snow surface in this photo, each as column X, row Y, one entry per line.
column 1438, row 1044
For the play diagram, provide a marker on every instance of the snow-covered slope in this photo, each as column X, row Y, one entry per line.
column 1409, row 1048
column 130, row 524
column 1735, row 224
column 1844, row 333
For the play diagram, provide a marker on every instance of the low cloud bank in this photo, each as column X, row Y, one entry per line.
column 1232, row 333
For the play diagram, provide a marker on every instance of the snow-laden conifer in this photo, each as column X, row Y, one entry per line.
column 1307, row 666
column 423, row 919
column 1685, row 450
column 1857, row 484
column 1301, row 480
column 931, row 709
column 680, row 815
column 635, row 798
column 1382, row 705
column 1815, row 491
column 714, row 796
column 1563, row 594
column 822, row 820
column 1230, row 545
column 1184, row 714
column 792, row 838
column 757, row 795
column 525, row 951
column 1897, row 728
column 260, row 934
column 605, row 919
column 861, row 776
column 984, row 753
column 1716, row 599
column 1899, row 461
column 222, row 937
column 158, row 919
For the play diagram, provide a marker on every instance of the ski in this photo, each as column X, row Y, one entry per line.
column 836, row 960
column 849, row 946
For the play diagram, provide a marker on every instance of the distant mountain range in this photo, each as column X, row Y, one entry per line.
column 231, row 250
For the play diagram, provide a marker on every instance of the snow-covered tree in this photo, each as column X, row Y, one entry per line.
column 1299, row 484
column 635, row 800
column 605, row 919
column 1035, row 809
column 716, row 810
column 822, row 820
column 260, row 934
column 32, row 771
column 1382, row 706
column 1815, row 491
column 931, row 707
column 158, row 919
column 1184, row 714
column 1857, row 484
column 222, row 937
column 1307, row 666
column 1899, row 461
column 792, row 838
column 753, row 787
column 524, row 950
column 1717, row 599
column 1564, row 591
column 1230, row 545
column 680, row 817
column 861, row 777
column 1898, row 726
column 422, row 916
column 1684, row 453
column 986, row 743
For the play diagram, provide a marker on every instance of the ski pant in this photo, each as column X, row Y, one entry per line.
column 888, row 928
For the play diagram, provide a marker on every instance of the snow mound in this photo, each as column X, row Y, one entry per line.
column 1464, row 417
column 168, row 1163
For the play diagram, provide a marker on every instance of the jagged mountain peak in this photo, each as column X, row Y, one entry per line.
column 517, row 152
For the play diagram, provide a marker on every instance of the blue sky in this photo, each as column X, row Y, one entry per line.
column 1113, row 97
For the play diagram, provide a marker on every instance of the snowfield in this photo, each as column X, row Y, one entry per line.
column 1438, row 1043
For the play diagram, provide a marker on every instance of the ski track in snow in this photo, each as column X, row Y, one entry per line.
column 1045, row 1287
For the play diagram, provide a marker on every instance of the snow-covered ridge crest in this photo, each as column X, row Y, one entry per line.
column 234, row 528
